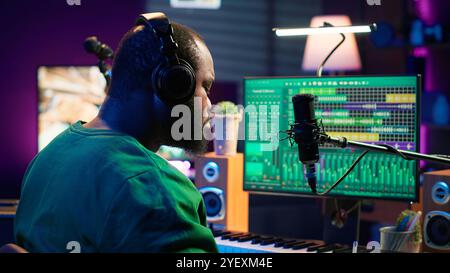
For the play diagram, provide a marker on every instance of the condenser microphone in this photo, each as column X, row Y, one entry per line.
column 306, row 136
column 101, row 50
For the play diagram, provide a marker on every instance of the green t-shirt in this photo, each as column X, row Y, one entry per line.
column 102, row 191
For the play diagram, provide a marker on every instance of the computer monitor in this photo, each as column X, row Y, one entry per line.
column 375, row 109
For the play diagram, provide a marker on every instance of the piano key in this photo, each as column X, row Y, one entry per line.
column 228, row 236
column 302, row 246
column 336, row 247
column 283, row 242
column 329, row 248
column 248, row 238
column 314, row 248
column 343, row 250
column 226, row 246
column 218, row 233
column 252, row 243
column 256, row 240
column 270, row 241
column 236, row 237
column 243, row 246
column 260, row 239
column 290, row 245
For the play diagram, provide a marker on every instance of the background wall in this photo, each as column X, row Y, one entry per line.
column 240, row 35
column 37, row 33
column 51, row 33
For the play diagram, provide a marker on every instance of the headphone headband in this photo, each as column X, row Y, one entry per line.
column 162, row 28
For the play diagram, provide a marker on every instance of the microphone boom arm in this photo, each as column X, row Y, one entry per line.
column 342, row 142
column 308, row 132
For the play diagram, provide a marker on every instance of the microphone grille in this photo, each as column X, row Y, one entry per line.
column 91, row 44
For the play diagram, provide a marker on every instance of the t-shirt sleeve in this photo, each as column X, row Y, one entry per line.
column 146, row 215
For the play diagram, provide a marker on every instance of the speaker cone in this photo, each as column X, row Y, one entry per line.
column 437, row 230
column 214, row 203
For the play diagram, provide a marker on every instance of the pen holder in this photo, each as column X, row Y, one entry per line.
column 394, row 241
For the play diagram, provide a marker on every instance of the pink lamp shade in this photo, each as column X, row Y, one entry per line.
column 346, row 57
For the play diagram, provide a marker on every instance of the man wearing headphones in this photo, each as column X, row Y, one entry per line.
column 99, row 186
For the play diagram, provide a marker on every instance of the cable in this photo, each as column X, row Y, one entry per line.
column 344, row 176
column 341, row 215
column 390, row 148
column 395, row 151
column 320, row 69
column 354, row 207
column 443, row 156
column 290, row 136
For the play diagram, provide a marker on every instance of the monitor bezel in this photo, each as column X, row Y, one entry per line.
column 341, row 196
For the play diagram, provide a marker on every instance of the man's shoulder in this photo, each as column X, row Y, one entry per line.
column 97, row 152
column 122, row 155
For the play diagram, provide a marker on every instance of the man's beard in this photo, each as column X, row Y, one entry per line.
column 191, row 145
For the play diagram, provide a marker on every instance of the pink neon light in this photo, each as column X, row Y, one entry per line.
column 425, row 11
column 423, row 142
column 420, row 52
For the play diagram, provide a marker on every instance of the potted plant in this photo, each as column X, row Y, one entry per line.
column 226, row 127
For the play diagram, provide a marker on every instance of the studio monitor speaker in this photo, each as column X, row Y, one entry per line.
column 436, row 206
column 220, row 180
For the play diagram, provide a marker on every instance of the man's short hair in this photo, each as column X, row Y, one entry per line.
column 139, row 53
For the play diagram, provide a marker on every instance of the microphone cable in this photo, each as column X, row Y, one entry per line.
column 322, row 65
column 355, row 163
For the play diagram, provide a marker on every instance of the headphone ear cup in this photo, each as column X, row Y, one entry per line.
column 174, row 83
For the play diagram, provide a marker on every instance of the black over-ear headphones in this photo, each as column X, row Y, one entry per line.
column 173, row 79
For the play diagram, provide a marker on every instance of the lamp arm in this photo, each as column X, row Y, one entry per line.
column 320, row 69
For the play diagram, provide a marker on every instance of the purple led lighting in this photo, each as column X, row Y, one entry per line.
column 425, row 11
column 424, row 52
column 429, row 80
column 421, row 52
